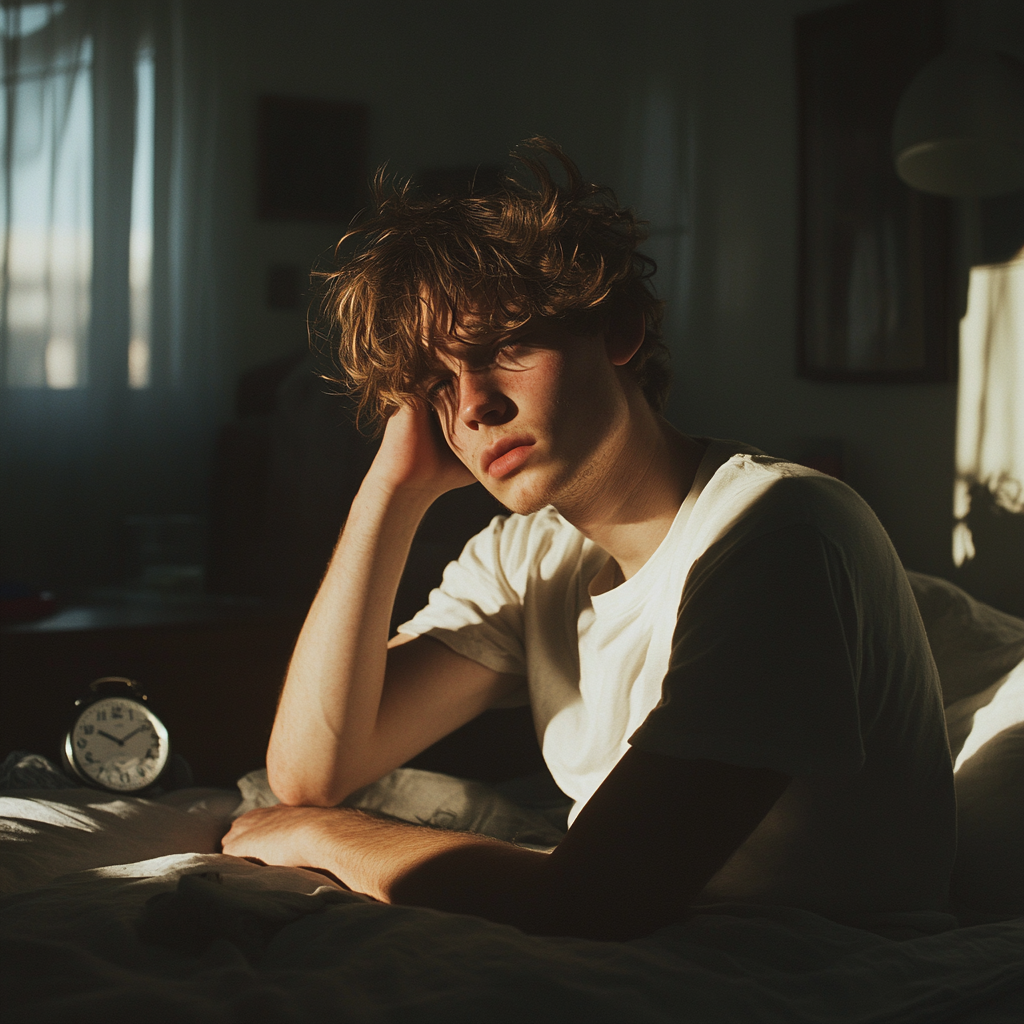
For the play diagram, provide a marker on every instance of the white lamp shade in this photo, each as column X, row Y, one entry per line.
column 959, row 127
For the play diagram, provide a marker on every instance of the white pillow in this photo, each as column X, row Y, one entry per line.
column 988, row 878
column 430, row 798
column 974, row 644
column 978, row 652
column 1004, row 710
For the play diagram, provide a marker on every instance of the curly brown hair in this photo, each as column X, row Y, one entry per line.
column 482, row 263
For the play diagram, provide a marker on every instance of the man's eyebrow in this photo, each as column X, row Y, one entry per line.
column 476, row 351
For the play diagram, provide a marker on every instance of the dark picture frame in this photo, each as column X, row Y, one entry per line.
column 311, row 158
column 876, row 278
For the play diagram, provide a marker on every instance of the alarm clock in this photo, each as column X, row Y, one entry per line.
column 115, row 741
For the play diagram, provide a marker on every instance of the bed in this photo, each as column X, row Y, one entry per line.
column 124, row 909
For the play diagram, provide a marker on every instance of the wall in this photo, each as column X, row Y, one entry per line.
column 689, row 110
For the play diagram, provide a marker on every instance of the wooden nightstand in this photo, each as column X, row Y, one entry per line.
column 212, row 668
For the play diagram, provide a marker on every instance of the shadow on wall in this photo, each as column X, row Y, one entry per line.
column 285, row 473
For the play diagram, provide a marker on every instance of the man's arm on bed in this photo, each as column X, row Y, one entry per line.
column 638, row 854
column 354, row 707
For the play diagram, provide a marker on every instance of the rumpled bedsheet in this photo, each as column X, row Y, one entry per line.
column 200, row 936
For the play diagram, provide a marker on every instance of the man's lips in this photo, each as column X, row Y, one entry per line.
column 500, row 458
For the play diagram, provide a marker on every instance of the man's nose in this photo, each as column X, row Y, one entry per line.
column 480, row 400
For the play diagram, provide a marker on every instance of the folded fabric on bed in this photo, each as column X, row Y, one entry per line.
column 48, row 833
column 202, row 909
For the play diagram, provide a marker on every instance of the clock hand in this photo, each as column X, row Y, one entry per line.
column 100, row 732
column 125, row 739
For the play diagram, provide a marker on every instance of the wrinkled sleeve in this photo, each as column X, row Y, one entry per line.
column 764, row 664
column 477, row 610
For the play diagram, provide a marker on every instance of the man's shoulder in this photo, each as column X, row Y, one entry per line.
column 752, row 493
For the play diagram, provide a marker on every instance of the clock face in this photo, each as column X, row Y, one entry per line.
column 119, row 744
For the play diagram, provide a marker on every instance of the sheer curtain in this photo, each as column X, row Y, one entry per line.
column 990, row 400
column 108, row 334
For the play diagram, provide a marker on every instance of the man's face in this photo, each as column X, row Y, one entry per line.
column 533, row 415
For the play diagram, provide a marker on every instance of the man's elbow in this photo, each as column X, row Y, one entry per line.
column 297, row 788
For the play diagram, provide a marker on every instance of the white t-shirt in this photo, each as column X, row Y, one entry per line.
column 774, row 626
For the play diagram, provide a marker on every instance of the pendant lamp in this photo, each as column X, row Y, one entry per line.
column 959, row 126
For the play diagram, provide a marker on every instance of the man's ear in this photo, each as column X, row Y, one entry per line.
column 627, row 326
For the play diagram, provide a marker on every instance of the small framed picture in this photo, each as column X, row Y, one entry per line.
column 311, row 160
column 877, row 287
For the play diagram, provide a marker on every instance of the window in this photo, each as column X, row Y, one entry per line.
column 46, row 275
column 110, row 353
column 47, row 203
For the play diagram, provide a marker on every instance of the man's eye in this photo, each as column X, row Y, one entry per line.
column 438, row 388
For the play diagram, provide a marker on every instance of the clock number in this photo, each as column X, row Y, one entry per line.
column 101, row 716
column 131, row 715
column 125, row 778
column 89, row 758
column 117, row 711
column 88, row 729
column 81, row 744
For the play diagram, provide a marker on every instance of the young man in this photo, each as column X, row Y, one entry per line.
column 725, row 664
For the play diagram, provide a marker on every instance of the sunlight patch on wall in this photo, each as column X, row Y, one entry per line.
column 990, row 399
column 140, row 257
column 61, row 362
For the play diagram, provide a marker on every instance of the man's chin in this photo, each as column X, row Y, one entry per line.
column 518, row 496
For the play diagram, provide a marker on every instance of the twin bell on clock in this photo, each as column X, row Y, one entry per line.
column 115, row 741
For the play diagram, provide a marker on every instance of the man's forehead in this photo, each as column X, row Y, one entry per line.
column 472, row 321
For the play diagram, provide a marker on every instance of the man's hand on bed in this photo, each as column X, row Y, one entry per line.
column 278, row 835
column 634, row 860
column 361, row 850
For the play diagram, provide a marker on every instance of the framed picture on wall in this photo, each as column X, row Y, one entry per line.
column 311, row 158
column 877, row 286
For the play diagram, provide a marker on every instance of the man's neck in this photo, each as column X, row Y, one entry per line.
column 630, row 505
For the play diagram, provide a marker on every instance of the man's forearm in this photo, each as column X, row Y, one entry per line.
column 390, row 861
column 333, row 687
column 458, row 872
column 409, row 864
